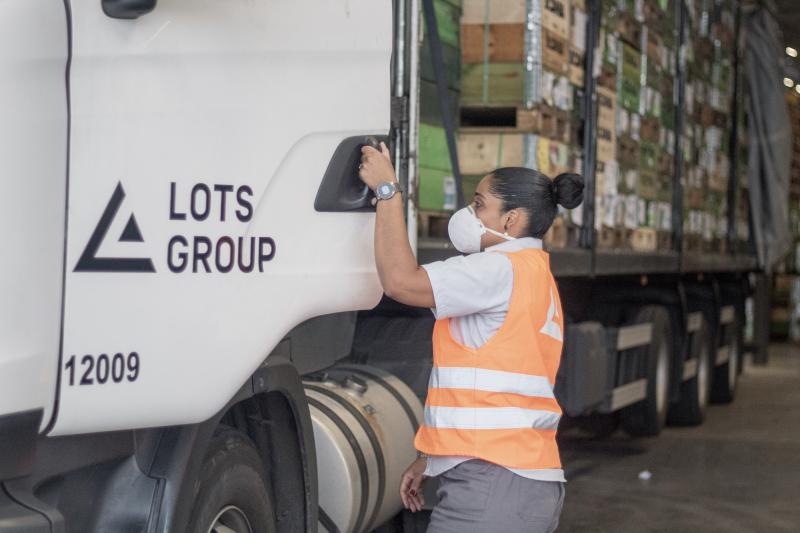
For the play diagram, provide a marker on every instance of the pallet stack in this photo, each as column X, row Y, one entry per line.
column 635, row 127
column 710, row 50
column 522, row 82
column 437, row 187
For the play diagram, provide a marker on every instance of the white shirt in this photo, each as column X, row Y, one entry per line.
column 474, row 292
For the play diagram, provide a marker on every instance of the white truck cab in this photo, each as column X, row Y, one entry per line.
column 178, row 194
column 164, row 169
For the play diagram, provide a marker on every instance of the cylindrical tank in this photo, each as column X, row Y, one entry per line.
column 364, row 421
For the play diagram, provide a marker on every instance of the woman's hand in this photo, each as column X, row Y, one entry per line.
column 411, row 485
column 376, row 167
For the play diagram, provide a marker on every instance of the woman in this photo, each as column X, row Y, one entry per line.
column 490, row 415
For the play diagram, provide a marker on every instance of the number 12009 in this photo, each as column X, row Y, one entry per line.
column 102, row 369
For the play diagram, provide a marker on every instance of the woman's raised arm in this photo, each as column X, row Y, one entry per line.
column 401, row 276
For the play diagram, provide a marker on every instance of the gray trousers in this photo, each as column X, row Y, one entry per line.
column 481, row 497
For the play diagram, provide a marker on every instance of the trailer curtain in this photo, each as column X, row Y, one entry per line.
column 769, row 137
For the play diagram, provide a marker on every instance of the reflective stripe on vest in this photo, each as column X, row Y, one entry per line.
column 483, row 379
column 496, row 402
column 489, row 418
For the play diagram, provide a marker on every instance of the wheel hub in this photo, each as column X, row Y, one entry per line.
column 733, row 365
column 230, row 519
column 702, row 377
column 662, row 377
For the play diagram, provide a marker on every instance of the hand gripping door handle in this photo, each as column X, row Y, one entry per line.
column 341, row 189
column 127, row 9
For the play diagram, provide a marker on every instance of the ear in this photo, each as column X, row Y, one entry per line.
column 511, row 218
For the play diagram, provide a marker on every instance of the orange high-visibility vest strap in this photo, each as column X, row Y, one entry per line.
column 496, row 402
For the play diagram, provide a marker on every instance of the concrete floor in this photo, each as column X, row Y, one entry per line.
column 739, row 471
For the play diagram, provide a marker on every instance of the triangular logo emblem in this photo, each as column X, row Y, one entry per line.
column 551, row 327
column 131, row 232
column 89, row 262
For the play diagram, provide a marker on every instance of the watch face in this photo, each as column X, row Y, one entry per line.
column 384, row 190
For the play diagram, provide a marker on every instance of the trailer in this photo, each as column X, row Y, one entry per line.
column 193, row 335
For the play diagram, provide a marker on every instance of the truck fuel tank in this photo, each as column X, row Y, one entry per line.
column 364, row 421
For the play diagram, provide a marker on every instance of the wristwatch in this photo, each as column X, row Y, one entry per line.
column 386, row 190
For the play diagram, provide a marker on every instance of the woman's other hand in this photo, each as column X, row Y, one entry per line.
column 376, row 167
column 411, row 485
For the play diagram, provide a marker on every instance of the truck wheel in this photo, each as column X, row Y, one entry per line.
column 231, row 494
column 647, row 417
column 691, row 408
column 726, row 375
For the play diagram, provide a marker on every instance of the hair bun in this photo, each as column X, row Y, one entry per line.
column 568, row 189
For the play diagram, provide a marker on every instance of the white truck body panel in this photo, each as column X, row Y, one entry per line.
column 251, row 95
column 33, row 166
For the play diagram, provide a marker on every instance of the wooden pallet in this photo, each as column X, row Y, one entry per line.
column 558, row 234
column 433, row 224
column 543, row 120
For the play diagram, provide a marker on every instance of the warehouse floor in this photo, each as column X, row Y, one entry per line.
column 740, row 471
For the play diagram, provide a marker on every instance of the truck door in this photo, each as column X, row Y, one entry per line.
column 33, row 169
column 201, row 132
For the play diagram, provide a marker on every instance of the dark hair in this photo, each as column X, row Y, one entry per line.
column 538, row 195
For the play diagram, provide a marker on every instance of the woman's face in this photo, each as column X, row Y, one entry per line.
column 489, row 209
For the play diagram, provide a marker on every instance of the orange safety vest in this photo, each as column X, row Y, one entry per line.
column 496, row 402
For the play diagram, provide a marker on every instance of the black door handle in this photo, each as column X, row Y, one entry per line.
column 127, row 9
column 341, row 188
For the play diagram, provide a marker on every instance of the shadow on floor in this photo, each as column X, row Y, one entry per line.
column 740, row 471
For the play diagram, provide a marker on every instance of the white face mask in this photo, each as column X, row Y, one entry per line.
column 465, row 230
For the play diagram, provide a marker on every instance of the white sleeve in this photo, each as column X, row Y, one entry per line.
column 465, row 285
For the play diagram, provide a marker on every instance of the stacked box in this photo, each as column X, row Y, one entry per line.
column 635, row 125
column 708, row 121
column 501, row 65
column 522, row 83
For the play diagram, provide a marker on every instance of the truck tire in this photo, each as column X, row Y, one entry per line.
column 232, row 494
column 694, row 394
column 647, row 417
column 726, row 375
